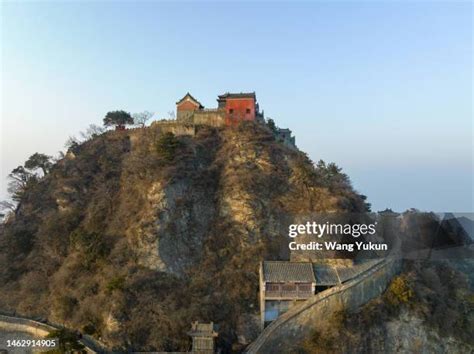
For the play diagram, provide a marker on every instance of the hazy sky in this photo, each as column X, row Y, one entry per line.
column 384, row 89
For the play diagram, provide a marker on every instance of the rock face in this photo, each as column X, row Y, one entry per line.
column 136, row 234
column 409, row 334
column 425, row 309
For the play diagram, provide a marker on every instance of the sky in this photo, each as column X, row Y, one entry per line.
column 381, row 88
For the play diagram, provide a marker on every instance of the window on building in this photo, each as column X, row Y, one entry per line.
column 272, row 287
column 247, row 110
column 304, row 287
column 231, row 111
column 288, row 287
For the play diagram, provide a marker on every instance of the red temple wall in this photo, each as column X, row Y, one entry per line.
column 239, row 109
column 187, row 106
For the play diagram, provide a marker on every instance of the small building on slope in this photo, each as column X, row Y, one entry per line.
column 284, row 284
column 239, row 107
column 186, row 107
column 203, row 336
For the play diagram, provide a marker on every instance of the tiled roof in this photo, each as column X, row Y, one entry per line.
column 321, row 274
column 284, row 130
column 237, row 95
column 188, row 95
column 388, row 212
column 274, row 271
column 325, row 275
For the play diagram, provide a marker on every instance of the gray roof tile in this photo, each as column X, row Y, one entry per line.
column 325, row 275
column 274, row 271
column 321, row 274
column 237, row 95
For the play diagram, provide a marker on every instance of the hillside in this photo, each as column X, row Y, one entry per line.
column 135, row 234
column 428, row 308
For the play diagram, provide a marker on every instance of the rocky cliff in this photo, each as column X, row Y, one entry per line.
column 134, row 234
column 429, row 308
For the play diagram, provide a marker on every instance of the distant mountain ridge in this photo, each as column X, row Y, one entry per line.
column 466, row 224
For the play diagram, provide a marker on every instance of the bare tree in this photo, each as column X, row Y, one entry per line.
column 71, row 143
column 59, row 157
column 142, row 117
column 6, row 209
column 91, row 132
column 7, row 205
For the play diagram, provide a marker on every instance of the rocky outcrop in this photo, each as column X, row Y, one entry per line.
column 139, row 229
column 408, row 333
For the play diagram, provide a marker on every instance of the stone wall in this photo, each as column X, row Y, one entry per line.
column 212, row 117
column 172, row 126
column 289, row 330
column 15, row 324
column 41, row 330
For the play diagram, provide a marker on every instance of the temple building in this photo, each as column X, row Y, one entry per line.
column 239, row 107
column 284, row 284
column 186, row 107
column 281, row 285
column 284, row 136
column 203, row 335
column 232, row 108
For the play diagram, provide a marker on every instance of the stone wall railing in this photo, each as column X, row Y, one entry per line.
column 212, row 110
column 36, row 329
column 175, row 127
column 214, row 118
column 41, row 330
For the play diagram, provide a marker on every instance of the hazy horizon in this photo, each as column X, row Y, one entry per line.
column 383, row 89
